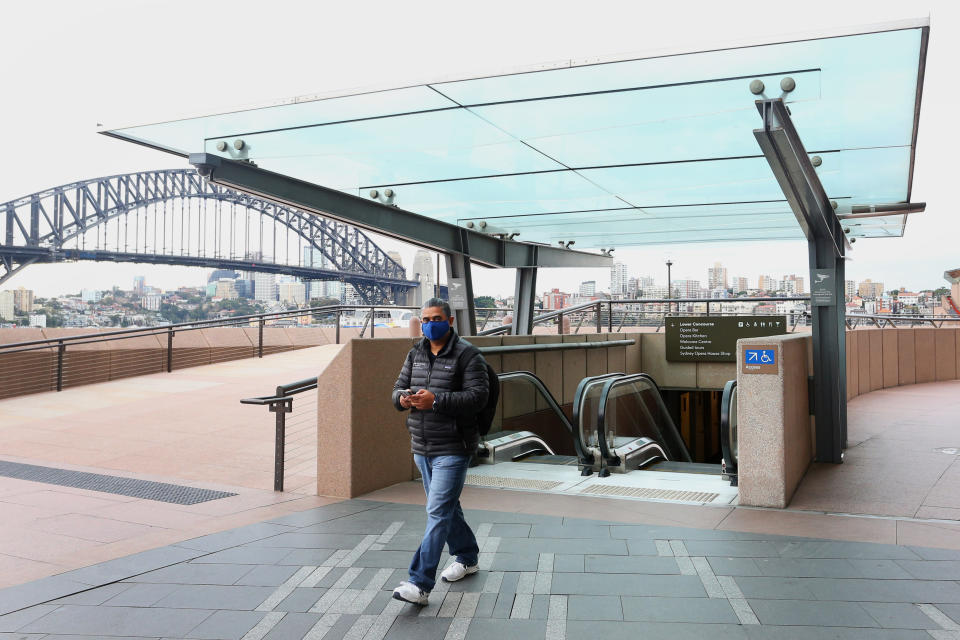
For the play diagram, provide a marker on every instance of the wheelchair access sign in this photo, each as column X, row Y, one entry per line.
column 758, row 359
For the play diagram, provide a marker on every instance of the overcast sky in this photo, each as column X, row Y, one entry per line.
column 66, row 66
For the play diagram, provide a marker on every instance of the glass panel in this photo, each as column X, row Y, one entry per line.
column 188, row 135
column 369, row 153
column 590, row 409
column 524, row 407
column 634, row 409
column 707, row 119
column 600, row 138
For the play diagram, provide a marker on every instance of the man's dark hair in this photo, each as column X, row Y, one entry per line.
column 437, row 302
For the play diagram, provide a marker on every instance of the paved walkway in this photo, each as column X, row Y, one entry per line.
column 185, row 427
column 328, row 572
column 903, row 457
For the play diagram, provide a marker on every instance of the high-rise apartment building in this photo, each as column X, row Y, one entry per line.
column 686, row 288
column 151, row 301
column 555, row 299
column 717, row 276
column 265, row 287
column 22, row 300
column 850, row 288
column 870, row 290
column 226, row 289
column 740, row 285
column 767, row 283
column 618, row 279
column 291, row 292
column 90, row 295
column 423, row 271
column 792, row 284
column 644, row 286
column 588, row 289
column 6, row 305
column 138, row 285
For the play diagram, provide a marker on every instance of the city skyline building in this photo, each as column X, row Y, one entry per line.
column 717, row 276
column 588, row 288
column 618, row 278
column 265, row 287
column 870, row 290
column 740, row 285
column 291, row 292
column 6, row 306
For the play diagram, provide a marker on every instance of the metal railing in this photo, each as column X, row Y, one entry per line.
column 882, row 321
column 604, row 314
column 281, row 403
column 43, row 375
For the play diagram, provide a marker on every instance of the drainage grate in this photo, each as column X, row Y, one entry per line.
column 656, row 494
column 131, row 487
column 509, row 483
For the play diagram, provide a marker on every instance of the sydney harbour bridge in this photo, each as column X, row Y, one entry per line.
column 175, row 217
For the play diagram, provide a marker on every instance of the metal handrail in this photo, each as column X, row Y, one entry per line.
column 578, row 398
column 551, row 401
column 597, row 306
column 728, row 432
column 193, row 325
column 679, row 445
column 281, row 404
column 889, row 320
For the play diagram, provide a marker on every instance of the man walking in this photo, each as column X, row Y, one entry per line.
column 444, row 385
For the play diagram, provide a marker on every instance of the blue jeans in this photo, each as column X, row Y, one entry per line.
column 443, row 478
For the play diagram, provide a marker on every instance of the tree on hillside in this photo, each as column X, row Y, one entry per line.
column 484, row 301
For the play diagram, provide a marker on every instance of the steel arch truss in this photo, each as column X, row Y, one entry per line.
column 36, row 228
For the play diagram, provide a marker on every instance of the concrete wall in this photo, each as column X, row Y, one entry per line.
column 884, row 358
column 363, row 444
column 775, row 435
column 35, row 371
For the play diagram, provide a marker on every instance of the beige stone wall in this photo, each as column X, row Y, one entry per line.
column 884, row 358
column 35, row 371
column 363, row 444
column 774, row 426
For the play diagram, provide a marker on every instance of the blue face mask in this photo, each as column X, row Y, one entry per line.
column 435, row 330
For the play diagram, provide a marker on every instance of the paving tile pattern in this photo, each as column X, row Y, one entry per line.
column 329, row 573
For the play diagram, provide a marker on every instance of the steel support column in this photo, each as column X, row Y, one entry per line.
column 798, row 179
column 524, row 298
column 460, row 278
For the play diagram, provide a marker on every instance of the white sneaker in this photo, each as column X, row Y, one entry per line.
column 409, row 592
column 458, row 570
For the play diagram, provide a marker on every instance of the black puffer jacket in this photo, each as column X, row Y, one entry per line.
column 458, row 378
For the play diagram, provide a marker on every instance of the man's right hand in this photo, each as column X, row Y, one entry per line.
column 405, row 401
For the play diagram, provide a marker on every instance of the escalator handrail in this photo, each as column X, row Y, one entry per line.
column 582, row 387
column 551, row 401
column 725, row 441
column 601, row 418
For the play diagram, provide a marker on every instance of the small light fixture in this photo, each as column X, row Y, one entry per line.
column 816, row 161
column 374, row 194
column 470, row 225
column 238, row 144
column 221, row 146
column 756, row 87
column 483, row 224
column 788, row 84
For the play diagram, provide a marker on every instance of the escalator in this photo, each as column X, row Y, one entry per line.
column 615, row 422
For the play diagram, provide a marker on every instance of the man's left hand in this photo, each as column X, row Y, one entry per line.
column 423, row 399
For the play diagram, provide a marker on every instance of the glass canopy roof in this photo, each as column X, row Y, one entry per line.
column 633, row 152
